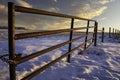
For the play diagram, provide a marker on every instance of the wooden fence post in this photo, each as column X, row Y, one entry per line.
column 70, row 44
column 11, row 42
column 95, row 35
column 110, row 32
column 102, row 35
column 113, row 33
column 119, row 34
column 86, row 35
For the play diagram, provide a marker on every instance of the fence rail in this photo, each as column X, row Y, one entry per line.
column 50, row 64
column 43, row 33
column 12, row 37
column 42, row 12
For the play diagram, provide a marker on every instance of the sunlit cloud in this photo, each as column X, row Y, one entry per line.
column 104, row 18
column 23, row 3
column 93, row 13
column 53, row 9
column 105, row 1
column 55, row 0
column 57, row 25
column 83, row 8
column 85, row 11
column 86, row 7
column 63, row 24
column 3, row 15
column 3, row 21
column 88, row 12
column 32, row 27
column 3, row 8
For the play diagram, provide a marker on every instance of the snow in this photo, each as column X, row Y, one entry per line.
column 96, row 63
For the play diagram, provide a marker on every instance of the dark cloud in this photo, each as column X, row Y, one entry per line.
column 81, row 8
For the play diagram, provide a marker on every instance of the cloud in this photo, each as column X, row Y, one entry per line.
column 62, row 24
column 105, row 1
column 32, row 27
column 58, row 24
column 85, row 11
column 3, row 22
column 53, row 9
column 3, row 8
column 23, row 3
column 93, row 12
column 83, row 8
column 89, row 11
column 55, row 0
column 104, row 18
column 86, row 7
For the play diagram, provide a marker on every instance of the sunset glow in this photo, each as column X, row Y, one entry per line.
column 106, row 12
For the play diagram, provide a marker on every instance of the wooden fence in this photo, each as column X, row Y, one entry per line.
column 18, row 59
column 114, row 33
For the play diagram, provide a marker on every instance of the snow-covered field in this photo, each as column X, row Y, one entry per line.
column 97, row 63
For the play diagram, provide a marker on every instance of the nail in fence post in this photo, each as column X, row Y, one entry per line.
column 70, row 44
column 86, row 34
column 110, row 32
column 11, row 13
column 102, row 35
column 95, row 35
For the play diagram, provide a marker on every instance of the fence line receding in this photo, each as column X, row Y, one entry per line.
column 12, row 37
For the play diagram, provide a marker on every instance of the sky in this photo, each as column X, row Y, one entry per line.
column 105, row 12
